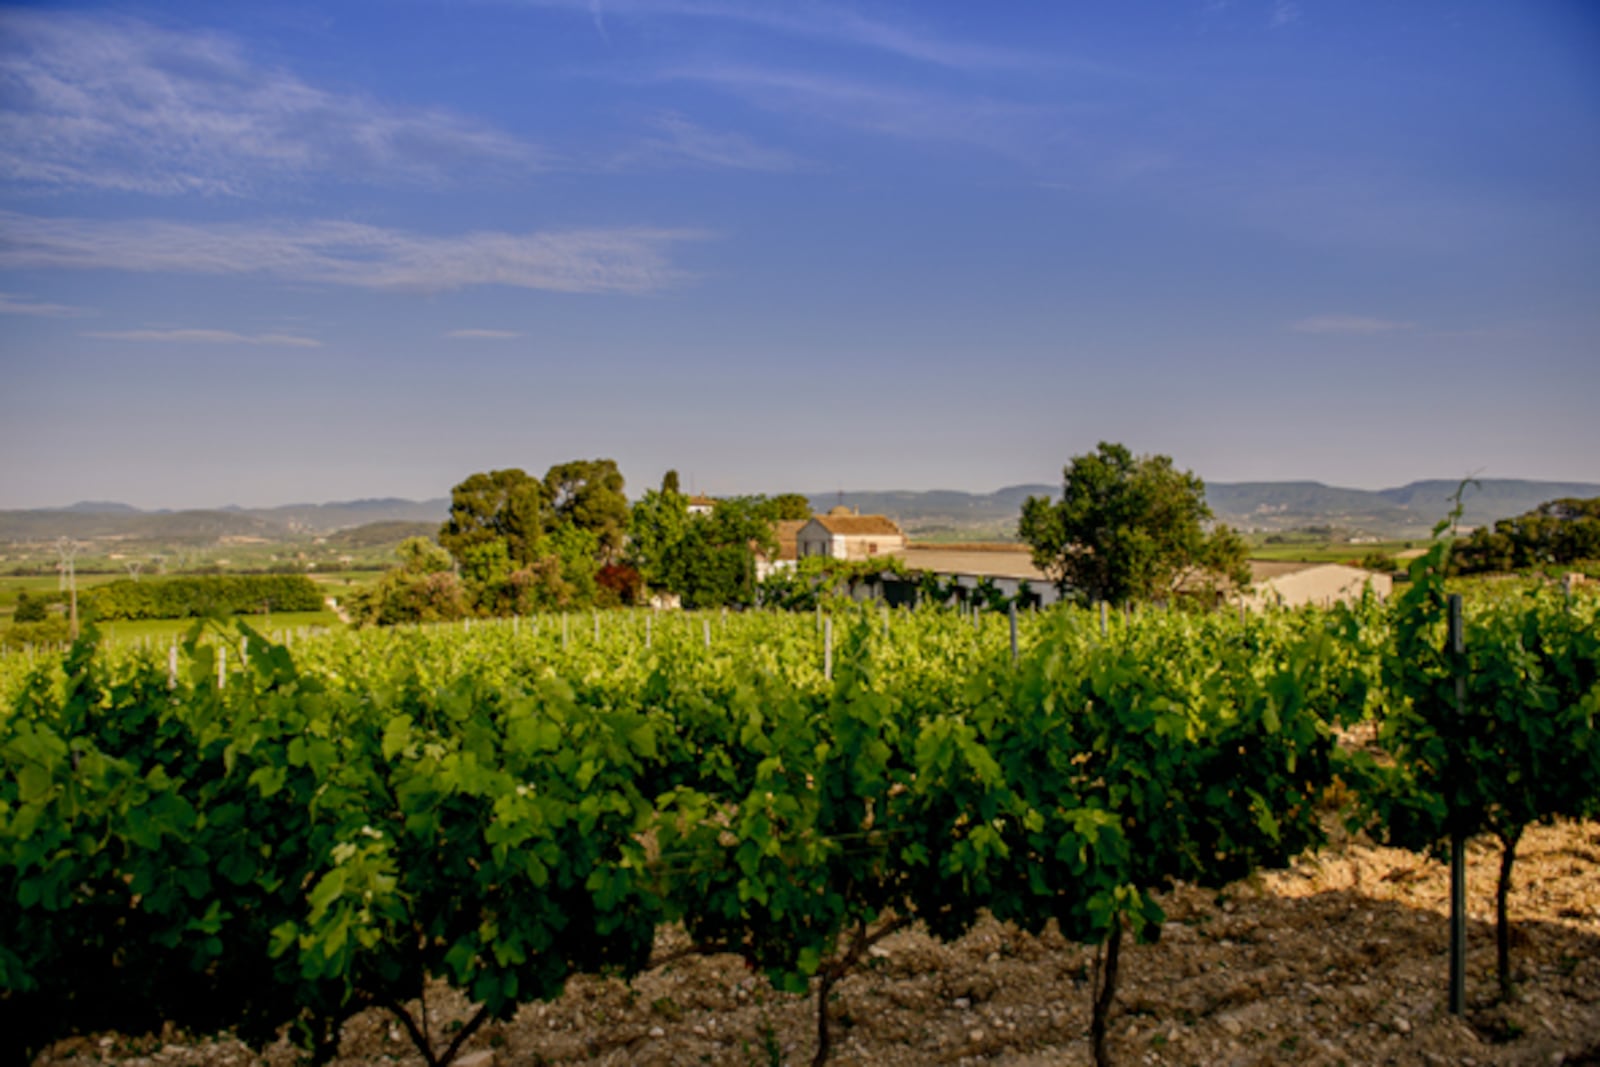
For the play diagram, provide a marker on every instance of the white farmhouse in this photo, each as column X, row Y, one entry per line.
column 842, row 534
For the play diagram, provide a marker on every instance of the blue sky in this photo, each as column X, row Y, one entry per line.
column 300, row 252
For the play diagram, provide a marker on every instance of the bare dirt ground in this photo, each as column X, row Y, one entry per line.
column 1341, row 959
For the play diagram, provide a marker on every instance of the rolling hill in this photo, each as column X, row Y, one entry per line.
column 1406, row 511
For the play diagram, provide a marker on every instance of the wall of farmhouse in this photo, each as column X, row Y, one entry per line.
column 867, row 546
column 813, row 540
column 1321, row 586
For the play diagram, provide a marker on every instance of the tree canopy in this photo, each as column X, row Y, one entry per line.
column 789, row 506
column 505, row 505
column 656, row 526
column 708, row 560
column 1128, row 528
column 521, row 544
column 1558, row 532
column 587, row 494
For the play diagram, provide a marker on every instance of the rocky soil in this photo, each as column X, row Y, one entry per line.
column 1339, row 960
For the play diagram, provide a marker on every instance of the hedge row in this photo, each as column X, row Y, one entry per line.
column 181, row 598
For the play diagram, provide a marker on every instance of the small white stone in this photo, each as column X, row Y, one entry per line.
column 1401, row 1024
column 656, row 1031
column 975, row 1036
column 962, row 1003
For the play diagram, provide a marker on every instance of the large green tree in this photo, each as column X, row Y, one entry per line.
column 587, row 494
column 1127, row 528
column 656, row 525
column 506, row 506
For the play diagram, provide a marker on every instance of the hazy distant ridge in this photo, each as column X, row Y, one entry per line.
column 106, row 520
column 1406, row 511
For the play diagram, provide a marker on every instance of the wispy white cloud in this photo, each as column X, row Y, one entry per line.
column 906, row 113
column 825, row 22
column 18, row 304
column 1348, row 324
column 195, row 336
column 631, row 260
column 1283, row 13
column 484, row 335
column 100, row 101
column 677, row 141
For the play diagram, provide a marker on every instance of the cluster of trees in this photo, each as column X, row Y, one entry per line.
column 33, row 623
column 515, row 544
column 707, row 560
column 1559, row 532
column 1131, row 528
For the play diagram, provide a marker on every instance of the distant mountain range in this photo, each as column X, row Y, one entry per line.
column 1408, row 511
column 100, row 520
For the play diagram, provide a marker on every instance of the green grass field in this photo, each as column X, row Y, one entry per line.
column 1330, row 551
column 160, row 630
column 43, row 583
column 163, row 631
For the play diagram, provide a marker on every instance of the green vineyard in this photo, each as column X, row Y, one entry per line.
column 248, row 835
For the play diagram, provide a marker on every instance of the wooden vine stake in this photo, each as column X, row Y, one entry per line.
column 827, row 648
column 1458, row 840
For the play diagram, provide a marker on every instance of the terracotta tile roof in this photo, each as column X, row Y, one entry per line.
column 993, row 561
column 787, row 533
column 859, row 525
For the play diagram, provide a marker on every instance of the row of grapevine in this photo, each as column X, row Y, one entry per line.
column 1491, row 728
column 310, row 833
